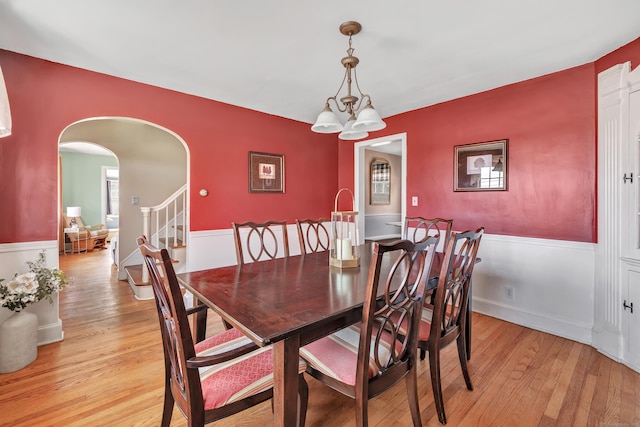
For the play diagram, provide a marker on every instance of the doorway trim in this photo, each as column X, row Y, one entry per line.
column 359, row 174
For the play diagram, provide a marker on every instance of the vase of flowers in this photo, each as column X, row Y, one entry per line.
column 19, row 333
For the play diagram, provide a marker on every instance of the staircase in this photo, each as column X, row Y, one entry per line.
column 164, row 226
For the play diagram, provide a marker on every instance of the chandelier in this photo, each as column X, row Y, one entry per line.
column 368, row 119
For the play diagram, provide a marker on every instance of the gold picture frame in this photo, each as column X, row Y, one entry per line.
column 481, row 166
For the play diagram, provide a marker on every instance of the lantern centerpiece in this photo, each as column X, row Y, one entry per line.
column 344, row 236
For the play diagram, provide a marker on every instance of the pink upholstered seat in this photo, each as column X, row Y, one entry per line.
column 239, row 377
column 337, row 354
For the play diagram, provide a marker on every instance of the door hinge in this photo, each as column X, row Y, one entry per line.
column 630, row 177
column 630, row 306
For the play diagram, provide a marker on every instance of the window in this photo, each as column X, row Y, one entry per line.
column 112, row 176
column 380, row 191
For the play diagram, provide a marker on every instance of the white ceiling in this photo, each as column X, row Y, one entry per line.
column 283, row 56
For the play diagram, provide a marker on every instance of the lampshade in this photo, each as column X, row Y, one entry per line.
column 5, row 112
column 349, row 133
column 73, row 211
column 327, row 122
column 369, row 120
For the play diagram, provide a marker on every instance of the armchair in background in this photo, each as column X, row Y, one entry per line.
column 87, row 238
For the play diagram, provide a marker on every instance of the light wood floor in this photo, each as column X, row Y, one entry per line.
column 108, row 372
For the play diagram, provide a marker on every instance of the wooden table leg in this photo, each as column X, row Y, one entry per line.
column 201, row 322
column 286, row 354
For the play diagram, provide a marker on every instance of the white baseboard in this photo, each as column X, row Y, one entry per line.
column 50, row 333
column 575, row 331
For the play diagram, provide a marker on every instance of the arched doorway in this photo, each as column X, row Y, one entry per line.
column 153, row 162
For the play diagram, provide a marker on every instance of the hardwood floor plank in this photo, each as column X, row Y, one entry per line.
column 559, row 393
column 586, row 396
column 108, row 372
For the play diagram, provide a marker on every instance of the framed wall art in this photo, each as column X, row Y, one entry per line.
column 266, row 172
column 481, row 166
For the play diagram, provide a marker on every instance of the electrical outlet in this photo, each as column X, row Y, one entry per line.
column 414, row 201
column 135, row 200
column 509, row 292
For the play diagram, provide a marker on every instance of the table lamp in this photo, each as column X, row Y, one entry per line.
column 73, row 212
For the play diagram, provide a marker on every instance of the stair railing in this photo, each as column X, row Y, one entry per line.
column 158, row 221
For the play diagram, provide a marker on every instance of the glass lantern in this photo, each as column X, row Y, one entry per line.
column 344, row 236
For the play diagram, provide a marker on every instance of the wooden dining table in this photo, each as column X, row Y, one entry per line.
column 286, row 303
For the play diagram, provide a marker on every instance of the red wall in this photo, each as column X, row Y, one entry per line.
column 550, row 124
column 46, row 97
column 628, row 52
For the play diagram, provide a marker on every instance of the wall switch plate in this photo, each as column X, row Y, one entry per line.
column 414, row 201
column 135, row 200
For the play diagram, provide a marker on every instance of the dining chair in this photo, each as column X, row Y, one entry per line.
column 444, row 318
column 260, row 241
column 365, row 359
column 313, row 235
column 215, row 378
column 416, row 228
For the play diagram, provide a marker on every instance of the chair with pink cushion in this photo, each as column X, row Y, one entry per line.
column 444, row 318
column 365, row 359
column 217, row 377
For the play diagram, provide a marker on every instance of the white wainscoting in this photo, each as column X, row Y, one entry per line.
column 553, row 281
column 13, row 258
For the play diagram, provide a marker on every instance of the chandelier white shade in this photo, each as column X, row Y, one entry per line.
column 327, row 122
column 5, row 111
column 368, row 119
column 350, row 132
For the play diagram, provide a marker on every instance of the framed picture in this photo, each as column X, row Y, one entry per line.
column 481, row 166
column 266, row 172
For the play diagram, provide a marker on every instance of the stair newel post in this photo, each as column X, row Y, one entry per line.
column 146, row 230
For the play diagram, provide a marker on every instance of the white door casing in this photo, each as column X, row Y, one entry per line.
column 617, row 270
